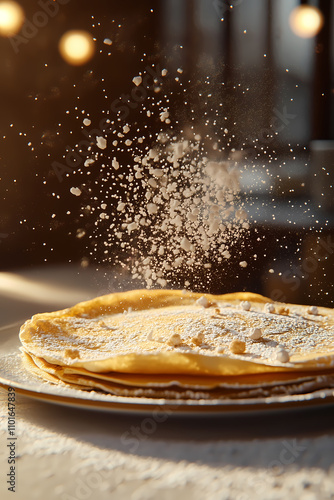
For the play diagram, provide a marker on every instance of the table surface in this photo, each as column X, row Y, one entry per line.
column 67, row 453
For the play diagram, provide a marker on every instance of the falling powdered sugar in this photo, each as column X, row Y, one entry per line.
column 101, row 142
column 174, row 209
column 186, row 216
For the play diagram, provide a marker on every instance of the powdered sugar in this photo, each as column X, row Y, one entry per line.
column 175, row 208
column 187, row 209
column 101, row 142
column 75, row 191
column 149, row 332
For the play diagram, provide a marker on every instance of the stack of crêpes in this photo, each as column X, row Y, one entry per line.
column 182, row 345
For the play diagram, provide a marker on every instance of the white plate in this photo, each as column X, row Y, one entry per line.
column 14, row 374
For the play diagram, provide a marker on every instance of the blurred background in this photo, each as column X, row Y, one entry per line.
column 266, row 70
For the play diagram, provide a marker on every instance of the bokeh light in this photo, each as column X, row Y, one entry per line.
column 76, row 47
column 306, row 21
column 11, row 18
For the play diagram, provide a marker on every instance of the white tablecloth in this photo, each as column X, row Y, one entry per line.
column 66, row 453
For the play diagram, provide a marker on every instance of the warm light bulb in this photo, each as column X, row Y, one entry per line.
column 306, row 21
column 11, row 18
column 76, row 47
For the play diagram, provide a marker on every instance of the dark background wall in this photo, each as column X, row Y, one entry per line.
column 268, row 76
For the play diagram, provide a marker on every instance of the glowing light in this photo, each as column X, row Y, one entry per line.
column 306, row 21
column 76, row 47
column 11, row 18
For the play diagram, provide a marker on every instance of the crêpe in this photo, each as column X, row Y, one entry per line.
column 134, row 333
column 174, row 388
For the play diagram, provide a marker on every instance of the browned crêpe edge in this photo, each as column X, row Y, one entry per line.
column 82, row 382
column 31, row 366
column 170, row 362
column 138, row 300
column 114, row 303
